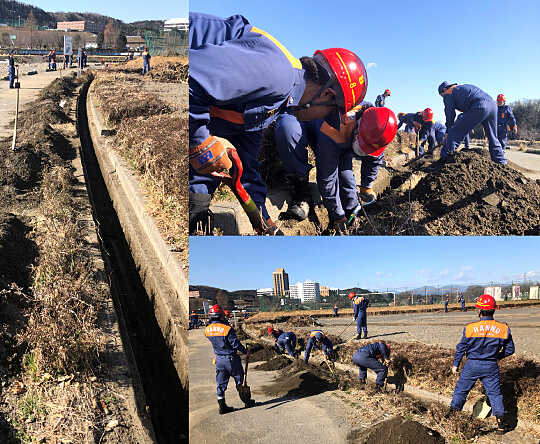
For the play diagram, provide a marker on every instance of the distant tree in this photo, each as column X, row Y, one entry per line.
column 223, row 300
column 76, row 41
column 31, row 22
column 110, row 35
column 527, row 114
column 100, row 38
column 121, row 42
column 6, row 42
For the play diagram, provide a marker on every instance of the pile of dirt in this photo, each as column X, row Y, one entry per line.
column 471, row 196
column 302, row 321
column 260, row 352
column 396, row 430
column 301, row 379
column 162, row 69
column 277, row 363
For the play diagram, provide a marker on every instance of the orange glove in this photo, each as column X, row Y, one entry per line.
column 211, row 155
column 515, row 129
column 367, row 194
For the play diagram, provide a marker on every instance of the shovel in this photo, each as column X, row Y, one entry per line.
column 255, row 217
column 357, row 210
column 243, row 390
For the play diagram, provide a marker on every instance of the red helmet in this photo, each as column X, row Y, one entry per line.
column 192, row 311
column 352, row 294
column 216, row 311
column 427, row 114
column 377, row 128
column 270, row 330
column 227, row 312
column 486, row 302
column 348, row 76
column 387, row 91
column 501, row 98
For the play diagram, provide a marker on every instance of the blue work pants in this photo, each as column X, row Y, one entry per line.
column 364, row 361
column 361, row 322
column 335, row 178
column 484, row 112
column 502, row 135
column 227, row 366
column 488, row 373
column 11, row 76
column 289, row 343
column 247, row 145
column 146, row 66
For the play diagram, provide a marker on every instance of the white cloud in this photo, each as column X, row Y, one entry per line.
column 466, row 273
column 371, row 65
column 378, row 273
column 428, row 276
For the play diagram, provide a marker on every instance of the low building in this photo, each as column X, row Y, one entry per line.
column 135, row 42
column 81, row 26
column 194, row 294
column 182, row 24
column 265, row 292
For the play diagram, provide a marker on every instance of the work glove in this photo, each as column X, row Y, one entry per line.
column 340, row 226
column 515, row 129
column 454, row 369
column 367, row 194
column 211, row 155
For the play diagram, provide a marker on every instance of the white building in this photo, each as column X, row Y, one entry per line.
column 308, row 291
column 265, row 292
column 182, row 24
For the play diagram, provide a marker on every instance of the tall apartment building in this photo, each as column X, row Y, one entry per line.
column 311, row 291
column 325, row 291
column 281, row 282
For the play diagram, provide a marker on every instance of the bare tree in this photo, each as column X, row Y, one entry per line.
column 110, row 35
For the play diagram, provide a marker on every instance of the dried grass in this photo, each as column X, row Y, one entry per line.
column 162, row 69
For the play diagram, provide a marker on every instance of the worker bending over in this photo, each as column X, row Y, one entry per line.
column 368, row 357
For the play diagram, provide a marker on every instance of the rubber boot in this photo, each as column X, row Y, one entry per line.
column 363, row 384
column 365, row 334
column 299, row 209
column 199, row 213
column 502, row 426
column 224, row 408
column 358, row 336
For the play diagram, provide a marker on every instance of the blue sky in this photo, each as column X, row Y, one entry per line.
column 235, row 263
column 128, row 12
column 411, row 47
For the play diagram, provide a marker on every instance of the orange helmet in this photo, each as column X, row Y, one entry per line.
column 387, row 91
column 377, row 128
column 501, row 98
column 400, row 115
column 347, row 77
column 486, row 302
column 215, row 312
column 352, row 295
column 427, row 115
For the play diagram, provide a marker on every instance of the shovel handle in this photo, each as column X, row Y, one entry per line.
column 246, row 370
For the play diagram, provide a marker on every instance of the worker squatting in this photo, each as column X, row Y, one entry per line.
column 242, row 79
column 484, row 343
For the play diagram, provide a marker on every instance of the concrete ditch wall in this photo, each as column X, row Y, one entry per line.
column 160, row 270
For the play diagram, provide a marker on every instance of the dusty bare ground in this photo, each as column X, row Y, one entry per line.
column 149, row 114
column 42, row 398
column 472, row 196
column 414, row 363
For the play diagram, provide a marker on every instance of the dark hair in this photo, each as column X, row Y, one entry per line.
column 487, row 312
column 315, row 72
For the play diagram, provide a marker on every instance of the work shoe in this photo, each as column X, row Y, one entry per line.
column 302, row 200
column 451, row 411
column 358, row 336
column 224, row 408
column 200, row 215
column 502, row 426
column 363, row 384
column 365, row 335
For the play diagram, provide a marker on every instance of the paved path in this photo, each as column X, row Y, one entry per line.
column 272, row 420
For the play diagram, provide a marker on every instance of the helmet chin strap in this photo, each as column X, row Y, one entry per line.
column 311, row 102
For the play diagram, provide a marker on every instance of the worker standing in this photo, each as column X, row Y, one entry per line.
column 319, row 341
column 368, row 131
column 462, row 303
column 53, row 60
column 505, row 120
column 194, row 319
column 226, row 344
column 485, row 342
column 146, row 60
column 241, row 80
column 477, row 108
column 360, row 305
column 381, row 98
column 368, row 357
column 446, row 303
column 11, row 69
column 335, row 310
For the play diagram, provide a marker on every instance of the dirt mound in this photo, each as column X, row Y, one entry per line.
column 396, row 430
column 277, row 363
column 162, row 69
column 302, row 321
column 301, row 379
column 261, row 352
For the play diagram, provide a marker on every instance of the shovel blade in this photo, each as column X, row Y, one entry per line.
column 245, row 393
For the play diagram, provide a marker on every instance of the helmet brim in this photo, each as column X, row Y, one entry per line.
column 369, row 149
